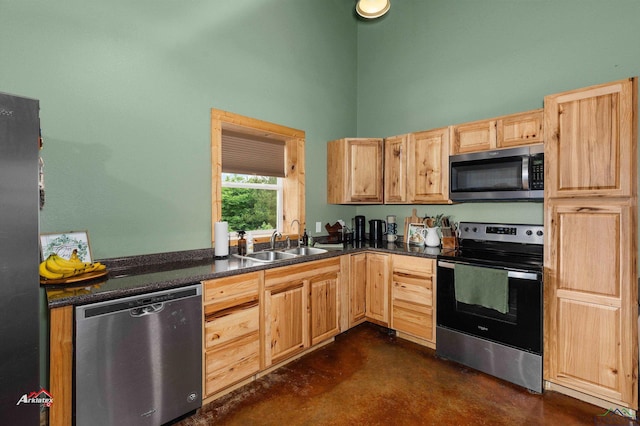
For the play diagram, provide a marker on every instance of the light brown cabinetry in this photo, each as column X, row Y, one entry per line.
column 357, row 288
column 301, row 305
column 413, row 297
column 416, row 168
column 395, row 169
column 591, row 250
column 354, row 171
column 524, row 128
column 231, row 330
column 428, row 167
column 377, row 297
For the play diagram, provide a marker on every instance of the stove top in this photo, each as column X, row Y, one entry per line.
column 513, row 246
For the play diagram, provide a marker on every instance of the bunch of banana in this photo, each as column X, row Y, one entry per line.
column 56, row 267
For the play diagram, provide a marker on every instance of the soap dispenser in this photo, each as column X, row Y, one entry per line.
column 305, row 238
column 242, row 243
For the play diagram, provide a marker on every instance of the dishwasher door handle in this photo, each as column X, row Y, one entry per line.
column 147, row 310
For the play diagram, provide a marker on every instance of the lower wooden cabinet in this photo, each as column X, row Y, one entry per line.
column 231, row 330
column 301, row 307
column 286, row 320
column 413, row 296
column 591, row 307
column 357, row 288
column 378, row 278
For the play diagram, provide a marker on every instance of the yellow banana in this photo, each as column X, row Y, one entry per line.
column 55, row 267
column 46, row 273
column 65, row 263
column 74, row 257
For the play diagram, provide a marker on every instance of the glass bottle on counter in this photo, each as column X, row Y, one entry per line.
column 305, row 238
column 242, row 244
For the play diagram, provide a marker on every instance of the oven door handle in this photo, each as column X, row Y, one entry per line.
column 531, row 276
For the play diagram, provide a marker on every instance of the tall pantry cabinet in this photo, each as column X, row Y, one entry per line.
column 590, row 282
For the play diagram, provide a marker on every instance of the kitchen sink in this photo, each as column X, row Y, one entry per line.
column 305, row 251
column 269, row 256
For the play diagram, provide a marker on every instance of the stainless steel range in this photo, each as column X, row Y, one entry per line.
column 489, row 301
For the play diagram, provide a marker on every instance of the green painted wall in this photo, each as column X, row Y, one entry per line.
column 434, row 63
column 126, row 89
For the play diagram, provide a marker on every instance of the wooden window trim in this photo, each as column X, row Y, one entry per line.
column 293, row 206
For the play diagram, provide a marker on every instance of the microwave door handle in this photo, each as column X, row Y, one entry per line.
column 525, row 172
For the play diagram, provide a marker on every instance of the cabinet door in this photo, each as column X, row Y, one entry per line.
column 428, row 166
column 412, row 296
column 591, row 298
column 324, row 307
column 395, row 169
column 473, row 137
column 378, row 278
column 354, row 171
column 520, row 129
column 590, row 141
column 365, row 170
column 357, row 288
column 287, row 325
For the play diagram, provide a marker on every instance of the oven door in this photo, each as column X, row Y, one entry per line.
column 519, row 327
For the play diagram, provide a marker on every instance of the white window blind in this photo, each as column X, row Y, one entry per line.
column 252, row 155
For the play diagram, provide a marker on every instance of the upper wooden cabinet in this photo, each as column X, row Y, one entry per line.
column 395, row 169
column 525, row 128
column 428, row 167
column 354, row 171
column 589, row 149
column 416, row 168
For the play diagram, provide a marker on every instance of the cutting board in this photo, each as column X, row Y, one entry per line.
column 411, row 219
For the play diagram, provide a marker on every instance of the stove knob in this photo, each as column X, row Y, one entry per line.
column 529, row 232
column 475, row 229
column 466, row 229
column 539, row 233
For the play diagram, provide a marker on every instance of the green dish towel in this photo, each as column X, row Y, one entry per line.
column 482, row 286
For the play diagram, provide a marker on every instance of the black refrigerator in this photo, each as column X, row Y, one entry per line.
column 19, row 259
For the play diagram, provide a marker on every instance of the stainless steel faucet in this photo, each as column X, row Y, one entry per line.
column 298, row 222
column 275, row 235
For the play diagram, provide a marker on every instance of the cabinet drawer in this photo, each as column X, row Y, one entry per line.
column 414, row 320
column 226, row 289
column 413, row 265
column 231, row 325
column 230, row 364
column 412, row 289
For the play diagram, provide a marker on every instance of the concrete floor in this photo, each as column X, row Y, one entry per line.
column 367, row 377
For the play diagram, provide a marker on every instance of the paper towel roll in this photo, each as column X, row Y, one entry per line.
column 221, row 235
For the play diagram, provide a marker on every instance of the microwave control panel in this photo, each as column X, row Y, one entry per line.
column 537, row 172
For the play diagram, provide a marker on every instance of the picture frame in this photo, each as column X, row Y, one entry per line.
column 415, row 234
column 64, row 243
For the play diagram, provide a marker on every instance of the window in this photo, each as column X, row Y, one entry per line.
column 268, row 158
column 252, row 203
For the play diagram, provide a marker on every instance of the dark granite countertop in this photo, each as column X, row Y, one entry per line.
column 143, row 274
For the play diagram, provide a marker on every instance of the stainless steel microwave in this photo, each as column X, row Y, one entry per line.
column 504, row 174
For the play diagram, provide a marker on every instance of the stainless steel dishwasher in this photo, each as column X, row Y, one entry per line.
column 138, row 359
